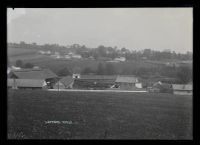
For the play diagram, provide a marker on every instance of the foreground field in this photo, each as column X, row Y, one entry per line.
column 98, row 115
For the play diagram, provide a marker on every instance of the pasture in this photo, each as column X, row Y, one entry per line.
column 22, row 53
column 55, row 64
column 98, row 115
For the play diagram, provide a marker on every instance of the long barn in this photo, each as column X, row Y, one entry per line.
column 35, row 74
column 26, row 84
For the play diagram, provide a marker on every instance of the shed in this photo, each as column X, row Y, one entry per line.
column 182, row 89
column 26, row 84
column 126, row 82
column 35, row 74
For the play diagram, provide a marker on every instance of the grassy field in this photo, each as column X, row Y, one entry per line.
column 92, row 115
column 22, row 54
column 20, row 51
column 56, row 65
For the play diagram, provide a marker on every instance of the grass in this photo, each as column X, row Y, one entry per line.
column 91, row 115
column 22, row 54
column 20, row 51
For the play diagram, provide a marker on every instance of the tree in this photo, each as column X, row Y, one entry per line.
column 19, row 63
column 184, row 74
column 110, row 69
column 100, row 69
column 87, row 70
column 28, row 65
column 64, row 72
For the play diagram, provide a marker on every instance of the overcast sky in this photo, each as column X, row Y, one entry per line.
column 132, row 28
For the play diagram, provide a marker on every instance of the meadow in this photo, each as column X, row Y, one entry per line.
column 22, row 54
column 104, row 115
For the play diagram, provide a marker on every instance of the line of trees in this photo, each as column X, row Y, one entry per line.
column 21, row 64
column 181, row 74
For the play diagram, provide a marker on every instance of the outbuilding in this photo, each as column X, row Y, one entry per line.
column 182, row 89
column 26, row 84
column 128, row 82
column 35, row 74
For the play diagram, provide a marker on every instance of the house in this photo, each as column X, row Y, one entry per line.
column 44, row 52
column 35, row 74
column 76, row 76
column 127, row 82
column 76, row 56
column 41, row 52
column 67, row 56
column 172, row 64
column 182, row 89
column 64, row 83
column 36, row 67
column 26, row 83
column 120, row 59
column 15, row 68
column 8, row 70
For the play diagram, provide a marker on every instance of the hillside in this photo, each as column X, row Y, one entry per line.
column 22, row 53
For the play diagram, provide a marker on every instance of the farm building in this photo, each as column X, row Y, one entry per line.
column 76, row 76
column 159, row 87
column 64, row 83
column 35, row 74
column 26, row 84
column 128, row 82
column 180, row 89
column 94, row 81
column 120, row 59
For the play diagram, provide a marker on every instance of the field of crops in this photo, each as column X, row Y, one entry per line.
column 103, row 115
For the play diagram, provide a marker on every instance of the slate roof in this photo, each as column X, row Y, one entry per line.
column 103, row 77
column 187, row 87
column 124, row 79
column 26, row 83
column 34, row 74
column 66, row 80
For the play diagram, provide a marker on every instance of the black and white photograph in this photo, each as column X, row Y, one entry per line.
column 100, row 73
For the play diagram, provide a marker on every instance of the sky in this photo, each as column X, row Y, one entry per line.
column 132, row 28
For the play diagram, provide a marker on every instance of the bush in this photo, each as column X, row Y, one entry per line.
column 64, row 72
column 87, row 70
column 28, row 65
column 19, row 63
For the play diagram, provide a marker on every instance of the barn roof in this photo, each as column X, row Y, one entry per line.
column 125, row 79
column 111, row 77
column 66, row 80
column 26, row 83
column 34, row 74
column 182, row 87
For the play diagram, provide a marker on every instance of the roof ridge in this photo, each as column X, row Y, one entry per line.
column 27, row 70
